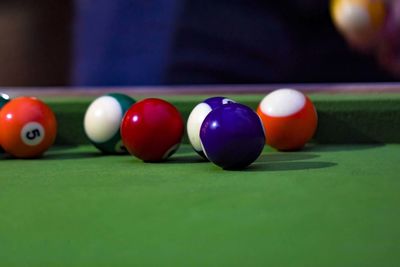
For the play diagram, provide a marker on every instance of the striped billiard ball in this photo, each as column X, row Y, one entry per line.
column 360, row 21
column 4, row 99
column 289, row 119
column 197, row 116
column 102, row 122
column 232, row 136
column 28, row 127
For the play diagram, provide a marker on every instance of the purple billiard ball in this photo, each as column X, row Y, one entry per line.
column 197, row 117
column 232, row 136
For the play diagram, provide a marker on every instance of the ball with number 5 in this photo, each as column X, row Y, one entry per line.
column 28, row 127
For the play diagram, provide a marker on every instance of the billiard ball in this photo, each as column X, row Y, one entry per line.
column 3, row 100
column 360, row 21
column 197, row 116
column 28, row 127
column 232, row 136
column 102, row 122
column 289, row 118
column 152, row 129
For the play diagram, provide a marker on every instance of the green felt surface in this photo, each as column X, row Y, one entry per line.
column 328, row 205
column 343, row 118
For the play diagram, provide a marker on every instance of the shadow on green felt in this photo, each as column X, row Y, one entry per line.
column 175, row 159
column 286, row 156
column 58, row 156
column 289, row 166
column 59, row 153
column 184, row 159
column 72, row 155
column 288, row 161
column 266, row 163
column 340, row 147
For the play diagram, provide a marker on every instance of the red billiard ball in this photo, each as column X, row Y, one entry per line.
column 27, row 127
column 152, row 129
column 289, row 118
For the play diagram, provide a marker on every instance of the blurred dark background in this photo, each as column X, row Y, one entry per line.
column 151, row 42
column 35, row 42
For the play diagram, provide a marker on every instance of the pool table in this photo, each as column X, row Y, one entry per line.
column 334, row 203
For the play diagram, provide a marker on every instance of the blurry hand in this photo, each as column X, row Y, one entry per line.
column 372, row 27
column 388, row 50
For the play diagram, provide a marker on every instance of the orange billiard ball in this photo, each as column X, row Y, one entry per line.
column 27, row 127
column 360, row 21
column 289, row 118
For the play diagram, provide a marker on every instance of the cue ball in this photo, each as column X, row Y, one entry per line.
column 360, row 21
column 289, row 118
column 197, row 116
column 28, row 127
column 152, row 130
column 103, row 120
column 232, row 136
